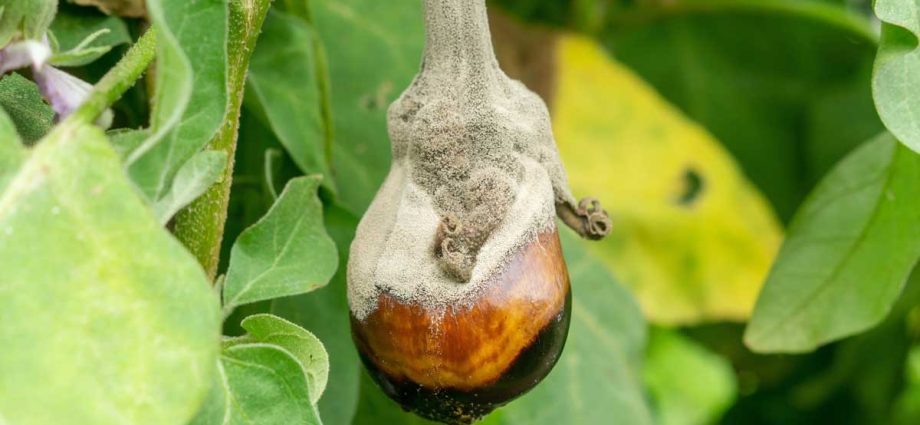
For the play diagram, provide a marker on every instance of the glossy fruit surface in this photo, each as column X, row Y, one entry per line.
column 456, row 364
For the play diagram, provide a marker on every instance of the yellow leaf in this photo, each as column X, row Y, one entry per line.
column 692, row 237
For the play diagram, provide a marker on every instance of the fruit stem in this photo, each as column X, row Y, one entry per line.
column 457, row 40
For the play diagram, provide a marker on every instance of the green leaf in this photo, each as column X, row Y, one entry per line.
column 125, row 140
column 261, row 384
column 195, row 176
column 325, row 313
column 286, row 91
column 786, row 103
column 688, row 384
column 12, row 153
column 83, row 38
column 25, row 106
column 191, row 89
column 897, row 70
column 285, row 253
column 96, row 296
column 25, row 18
column 849, row 250
column 598, row 376
column 373, row 49
column 303, row 345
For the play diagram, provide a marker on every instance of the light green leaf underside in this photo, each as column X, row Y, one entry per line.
column 285, row 253
column 286, row 91
column 261, row 384
column 688, row 384
column 191, row 89
column 897, row 70
column 196, row 175
column 302, row 344
column 106, row 318
column 849, row 250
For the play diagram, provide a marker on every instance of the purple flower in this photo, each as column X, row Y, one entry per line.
column 21, row 54
column 65, row 93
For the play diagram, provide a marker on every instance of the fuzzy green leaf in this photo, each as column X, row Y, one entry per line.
column 25, row 18
column 286, row 91
column 260, row 384
column 106, row 318
column 302, row 344
column 848, row 252
column 191, row 89
column 195, row 176
column 25, row 106
column 285, row 253
column 74, row 34
column 897, row 70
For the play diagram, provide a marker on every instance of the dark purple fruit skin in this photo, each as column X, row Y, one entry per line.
column 452, row 406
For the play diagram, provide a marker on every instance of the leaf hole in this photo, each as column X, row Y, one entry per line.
column 693, row 186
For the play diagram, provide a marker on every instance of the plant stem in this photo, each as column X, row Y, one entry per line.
column 118, row 80
column 200, row 226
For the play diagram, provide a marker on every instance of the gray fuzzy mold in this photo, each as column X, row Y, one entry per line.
column 475, row 172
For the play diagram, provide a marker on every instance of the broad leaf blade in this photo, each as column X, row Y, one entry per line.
column 286, row 91
column 286, row 253
column 262, row 384
column 197, row 175
column 719, row 232
column 191, row 89
column 897, row 70
column 96, row 296
column 849, row 250
column 302, row 344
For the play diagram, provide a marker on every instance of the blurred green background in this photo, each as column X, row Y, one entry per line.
column 701, row 125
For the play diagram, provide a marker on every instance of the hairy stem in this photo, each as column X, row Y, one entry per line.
column 200, row 226
column 118, row 80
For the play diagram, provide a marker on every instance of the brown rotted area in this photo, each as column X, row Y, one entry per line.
column 460, row 363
